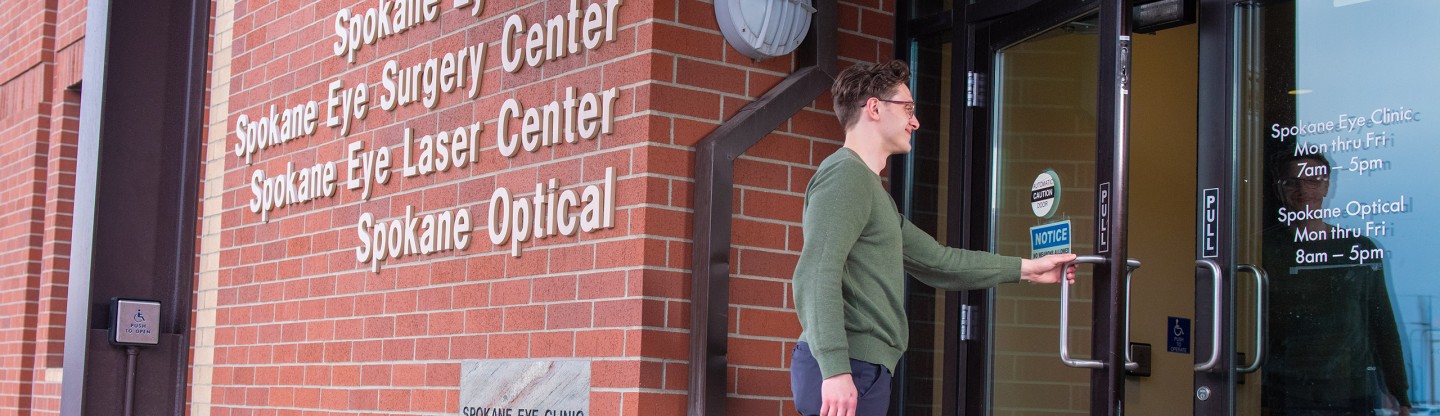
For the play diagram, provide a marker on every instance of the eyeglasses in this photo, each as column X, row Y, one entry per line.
column 909, row 106
column 1312, row 183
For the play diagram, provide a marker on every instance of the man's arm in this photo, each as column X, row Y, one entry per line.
column 951, row 268
column 832, row 224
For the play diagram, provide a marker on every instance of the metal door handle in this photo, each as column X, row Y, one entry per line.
column 1214, row 360
column 1262, row 287
column 1065, row 318
column 1131, row 265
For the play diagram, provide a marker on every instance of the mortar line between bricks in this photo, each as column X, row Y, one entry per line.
column 452, row 254
column 747, row 69
column 435, row 258
column 769, row 190
column 765, row 220
column 447, row 285
column 418, row 312
column 428, row 362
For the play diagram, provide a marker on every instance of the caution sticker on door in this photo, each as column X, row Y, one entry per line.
column 1045, row 194
column 1053, row 238
column 1179, row 335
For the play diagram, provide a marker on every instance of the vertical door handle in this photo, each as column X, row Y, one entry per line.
column 1262, row 288
column 1130, row 266
column 1065, row 319
column 1214, row 360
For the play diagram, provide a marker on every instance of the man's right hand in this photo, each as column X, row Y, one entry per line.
column 837, row 396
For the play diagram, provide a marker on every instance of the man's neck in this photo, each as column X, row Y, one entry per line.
column 872, row 155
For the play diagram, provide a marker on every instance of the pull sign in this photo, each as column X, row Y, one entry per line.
column 1102, row 214
column 134, row 322
column 1210, row 223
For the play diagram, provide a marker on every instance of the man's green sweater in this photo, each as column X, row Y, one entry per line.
column 850, row 282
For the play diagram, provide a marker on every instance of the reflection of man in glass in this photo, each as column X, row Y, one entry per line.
column 1334, row 348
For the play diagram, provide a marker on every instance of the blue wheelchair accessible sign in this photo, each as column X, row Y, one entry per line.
column 1178, row 330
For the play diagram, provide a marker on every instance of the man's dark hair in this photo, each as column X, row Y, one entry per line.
column 859, row 82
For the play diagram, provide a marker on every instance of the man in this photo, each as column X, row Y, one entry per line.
column 849, row 285
column 1334, row 346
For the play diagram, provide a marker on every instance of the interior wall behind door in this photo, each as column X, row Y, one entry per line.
column 1162, row 213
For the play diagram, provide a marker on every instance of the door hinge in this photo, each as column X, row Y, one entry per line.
column 974, row 84
column 967, row 324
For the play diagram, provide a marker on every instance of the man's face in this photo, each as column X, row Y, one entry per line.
column 897, row 120
column 1305, row 182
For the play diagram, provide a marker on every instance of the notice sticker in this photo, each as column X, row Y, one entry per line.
column 1050, row 239
column 1045, row 194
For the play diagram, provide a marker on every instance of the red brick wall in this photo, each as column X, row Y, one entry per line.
column 38, row 123
column 712, row 82
column 22, row 213
column 301, row 325
column 24, row 36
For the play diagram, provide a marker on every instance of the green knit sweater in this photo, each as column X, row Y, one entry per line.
column 849, row 283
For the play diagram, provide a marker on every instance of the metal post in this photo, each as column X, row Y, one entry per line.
column 130, row 355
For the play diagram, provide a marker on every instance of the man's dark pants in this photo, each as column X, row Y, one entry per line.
column 872, row 384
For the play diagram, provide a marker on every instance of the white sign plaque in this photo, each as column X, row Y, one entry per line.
column 524, row 388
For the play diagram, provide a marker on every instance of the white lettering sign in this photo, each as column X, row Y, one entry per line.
column 426, row 151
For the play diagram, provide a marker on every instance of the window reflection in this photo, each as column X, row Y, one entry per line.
column 1346, row 88
column 1334, row 343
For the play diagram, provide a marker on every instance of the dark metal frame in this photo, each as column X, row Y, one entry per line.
column 714, row 178
column 967, row 362
column 1115, row 48
column 970, row 359
column 1216, row 170
column 970, row 33
column 136, row 186
column 1015, row 23
column 908, row 31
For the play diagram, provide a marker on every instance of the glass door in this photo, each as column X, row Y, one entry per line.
column 1054, row 110
column 1335, row 155
column 1261, row 192
column 1094, row 149
column 1044, row 113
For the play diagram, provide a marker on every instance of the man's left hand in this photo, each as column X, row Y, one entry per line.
column 1048, row 269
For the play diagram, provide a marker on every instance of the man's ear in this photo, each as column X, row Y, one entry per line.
column 872, row 108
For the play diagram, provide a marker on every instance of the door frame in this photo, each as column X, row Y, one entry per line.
column 1216, row 170
column 967, row 371
column 1111, row 155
